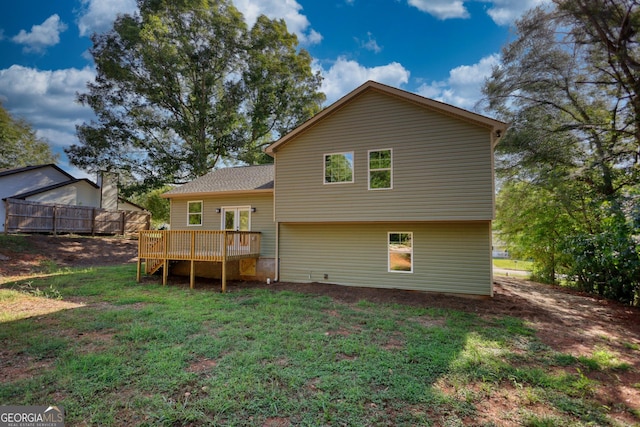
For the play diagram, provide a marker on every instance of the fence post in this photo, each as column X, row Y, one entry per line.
column 93, row 221
column 122, row 221
column 55, row 228
column 6, row 216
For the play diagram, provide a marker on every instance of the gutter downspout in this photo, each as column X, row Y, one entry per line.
column 277, row 260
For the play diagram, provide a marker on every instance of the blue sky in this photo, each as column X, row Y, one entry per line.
column 442, row 49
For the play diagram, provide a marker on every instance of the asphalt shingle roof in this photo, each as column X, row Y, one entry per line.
column 243, row 178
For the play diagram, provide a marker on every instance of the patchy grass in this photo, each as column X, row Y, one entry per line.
column 16, row 243
column 132, row 354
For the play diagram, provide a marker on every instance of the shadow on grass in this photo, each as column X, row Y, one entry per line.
column 146, row 354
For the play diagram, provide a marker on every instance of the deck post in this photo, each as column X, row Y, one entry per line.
column 138, row 273
column 224, row 261
column 165, row 272
column 192, row 275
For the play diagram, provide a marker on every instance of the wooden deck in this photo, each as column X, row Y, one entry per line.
column 159, row 247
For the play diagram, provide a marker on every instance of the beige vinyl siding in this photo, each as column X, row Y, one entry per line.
column 442, row 166
column 261, row 219
column 448, row 257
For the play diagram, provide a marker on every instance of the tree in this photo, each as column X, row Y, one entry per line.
column 184, row 85
column 153, row 202
column 565, row 86
column 535, row 222
column 19, row 145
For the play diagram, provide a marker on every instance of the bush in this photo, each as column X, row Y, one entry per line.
column 606, row 263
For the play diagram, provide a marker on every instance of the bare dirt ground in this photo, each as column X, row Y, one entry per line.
column 566, row 321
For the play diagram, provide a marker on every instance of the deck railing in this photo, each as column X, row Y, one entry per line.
column 198, row 245
column 157, row 247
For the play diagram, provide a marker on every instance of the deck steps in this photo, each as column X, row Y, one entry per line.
column 153, row 265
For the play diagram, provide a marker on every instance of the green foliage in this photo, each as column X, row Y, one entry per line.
column 185, row 85
column 606, row 263
column 534, row 224
column 19, row 145
column 570, row 158
column 157, row 205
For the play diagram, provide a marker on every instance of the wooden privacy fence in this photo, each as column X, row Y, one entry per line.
column 29, row 217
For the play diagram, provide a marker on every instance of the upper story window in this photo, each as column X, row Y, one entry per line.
column 194, row 213
column 338, row 168
column 380, row 169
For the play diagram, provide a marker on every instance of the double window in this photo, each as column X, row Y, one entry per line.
column 194, row 213
column 380, row 169
column 339, row 169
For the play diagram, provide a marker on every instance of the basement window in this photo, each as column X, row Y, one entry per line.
column 400, row 248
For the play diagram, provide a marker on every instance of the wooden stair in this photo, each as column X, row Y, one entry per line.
column 153, row 265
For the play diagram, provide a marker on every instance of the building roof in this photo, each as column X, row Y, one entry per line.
column 245, row 179
column 24, row 195
column 7, row 172
column 496, row 127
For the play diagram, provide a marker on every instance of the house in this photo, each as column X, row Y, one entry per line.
column 383, row 188
column 49, row 184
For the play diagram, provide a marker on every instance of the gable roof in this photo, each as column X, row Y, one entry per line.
column 23, row 196
column 496, row 127
column 247, row 179
column 7, row 172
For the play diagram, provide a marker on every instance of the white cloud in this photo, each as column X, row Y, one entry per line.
column 46, row 99
column 345, row 75
column 463, row 87
column 442, row 9
column 97, row 16
column 503, row 12
column 41, row 36
column 289, row 10
column 370, row 44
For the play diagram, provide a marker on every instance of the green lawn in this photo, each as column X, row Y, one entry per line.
column 513, row 264
column 143, row 354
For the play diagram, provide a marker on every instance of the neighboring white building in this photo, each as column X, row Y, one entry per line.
column 50, row 184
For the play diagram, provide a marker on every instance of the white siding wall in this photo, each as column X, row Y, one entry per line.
column 442, row 166
column 79, row 194
column 448, row 257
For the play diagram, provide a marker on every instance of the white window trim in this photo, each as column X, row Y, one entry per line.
column 324, row 168
column 389, row 270
column 223, row 209
column 193, row 213
column 369, row 169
